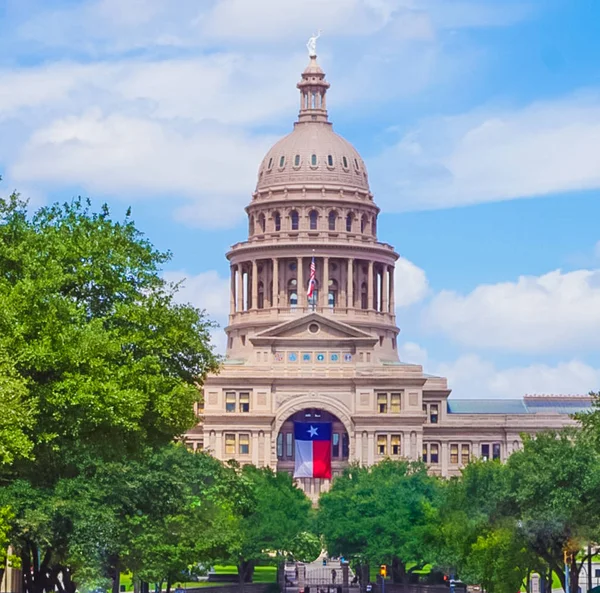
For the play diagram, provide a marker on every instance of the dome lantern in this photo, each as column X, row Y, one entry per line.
column 313, row 90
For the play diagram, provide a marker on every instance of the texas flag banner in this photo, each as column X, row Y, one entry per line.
column 313, row 449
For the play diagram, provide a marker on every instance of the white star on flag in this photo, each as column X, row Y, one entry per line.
column 312, row 431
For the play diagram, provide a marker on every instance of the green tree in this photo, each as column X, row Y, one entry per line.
column 276, row 528
column 554, row 485
column 386, row 513
column 104, row 365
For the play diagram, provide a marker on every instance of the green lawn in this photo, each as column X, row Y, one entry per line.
column 262, row 574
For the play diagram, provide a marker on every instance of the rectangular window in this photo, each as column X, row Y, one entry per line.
column 395, row 445
column 289, row 442
column 434, row 453
column 280, row 445
column 335, row 444
column 345, row 446
column 382, row 444
column 454, row 454
column 464, row 454
column 395, row 403
column 244, row 444
column 229, row 444
column 245, row 402
column 425, row 456
column 496, row 451
column 433, row 413
column 485, row 452
column 382, row 403
column 230, row 401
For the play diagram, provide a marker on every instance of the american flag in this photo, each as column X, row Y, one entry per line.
column 312, row 279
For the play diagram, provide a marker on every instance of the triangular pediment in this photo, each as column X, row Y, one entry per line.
column 312, row 327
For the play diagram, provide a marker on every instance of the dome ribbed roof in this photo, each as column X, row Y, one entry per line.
column 313, row 153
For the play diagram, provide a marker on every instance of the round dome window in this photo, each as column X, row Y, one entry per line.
column 314, row 328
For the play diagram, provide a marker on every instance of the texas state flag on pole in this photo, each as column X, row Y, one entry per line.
column 313, row 449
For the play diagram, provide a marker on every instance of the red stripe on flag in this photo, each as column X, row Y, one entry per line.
column 322, row 459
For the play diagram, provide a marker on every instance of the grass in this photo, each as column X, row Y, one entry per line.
column 262, row 574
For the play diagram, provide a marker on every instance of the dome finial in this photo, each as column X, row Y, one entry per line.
column 312, row 45
column 313, row 87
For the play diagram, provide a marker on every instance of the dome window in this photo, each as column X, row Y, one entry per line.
column 349, row 223
column 313, row 218
column 282, row 162
column 329, row 160
column 356, row 165
column 345, row 162
column 270, row 165
column 313, row 160
column 297, row 160
column 332, row 220
column 277, row 221
column 294, row 219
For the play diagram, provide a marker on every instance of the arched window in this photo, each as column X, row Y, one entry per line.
column 277, row 221
column 251, row 225
column 345, row 162
column 364, row 296
column 332, row 220
column 270, row 165
column 363, row 223
column 297, row 160
column 261, row 296
column 292, row 290
column 313, row 218
column 349, row 220
column 294, row 219
column 261, row 223
column 282, row 162
column 333, row 293
column 313, row 160
column 329, row 160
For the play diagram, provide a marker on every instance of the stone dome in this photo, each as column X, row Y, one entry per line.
column 313, row 154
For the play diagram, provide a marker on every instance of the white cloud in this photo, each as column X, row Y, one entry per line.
column 412, row 353
column 472, row 377
column 554, row 312
column 208, row 291
column 493, row 154
column 139, row 158
column 410, row 283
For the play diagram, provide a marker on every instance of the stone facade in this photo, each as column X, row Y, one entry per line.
column 334, row 356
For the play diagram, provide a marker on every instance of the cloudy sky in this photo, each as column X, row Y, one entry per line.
column 479, row 121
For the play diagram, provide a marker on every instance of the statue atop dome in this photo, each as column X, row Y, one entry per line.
column 312, row 45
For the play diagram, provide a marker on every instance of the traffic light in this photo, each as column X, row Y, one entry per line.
column 383, row 571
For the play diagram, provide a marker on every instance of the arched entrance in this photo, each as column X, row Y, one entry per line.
column 340, row 448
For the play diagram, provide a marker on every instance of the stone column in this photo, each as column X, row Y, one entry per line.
column 275, row 295
column 351, row 283
column 444, row 453
column 267, row 451
column 253, row 304
column 240, row 288
column 232, row 291
column 358, row 447
column 392, row 291
column 385, row 289
column 219, row 444
column 255, row 449
column 325, row 286
column 370, row 303
column 371, row 449
column 301, row 289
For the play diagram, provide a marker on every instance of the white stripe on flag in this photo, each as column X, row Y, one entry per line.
column 304, row 459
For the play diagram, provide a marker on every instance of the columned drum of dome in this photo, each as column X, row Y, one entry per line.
column 331, row 353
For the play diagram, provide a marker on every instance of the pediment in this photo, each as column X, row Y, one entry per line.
column 313, row 327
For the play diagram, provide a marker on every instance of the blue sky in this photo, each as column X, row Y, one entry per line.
column 478, row 120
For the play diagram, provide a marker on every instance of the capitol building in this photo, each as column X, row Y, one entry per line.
column 333, row 356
